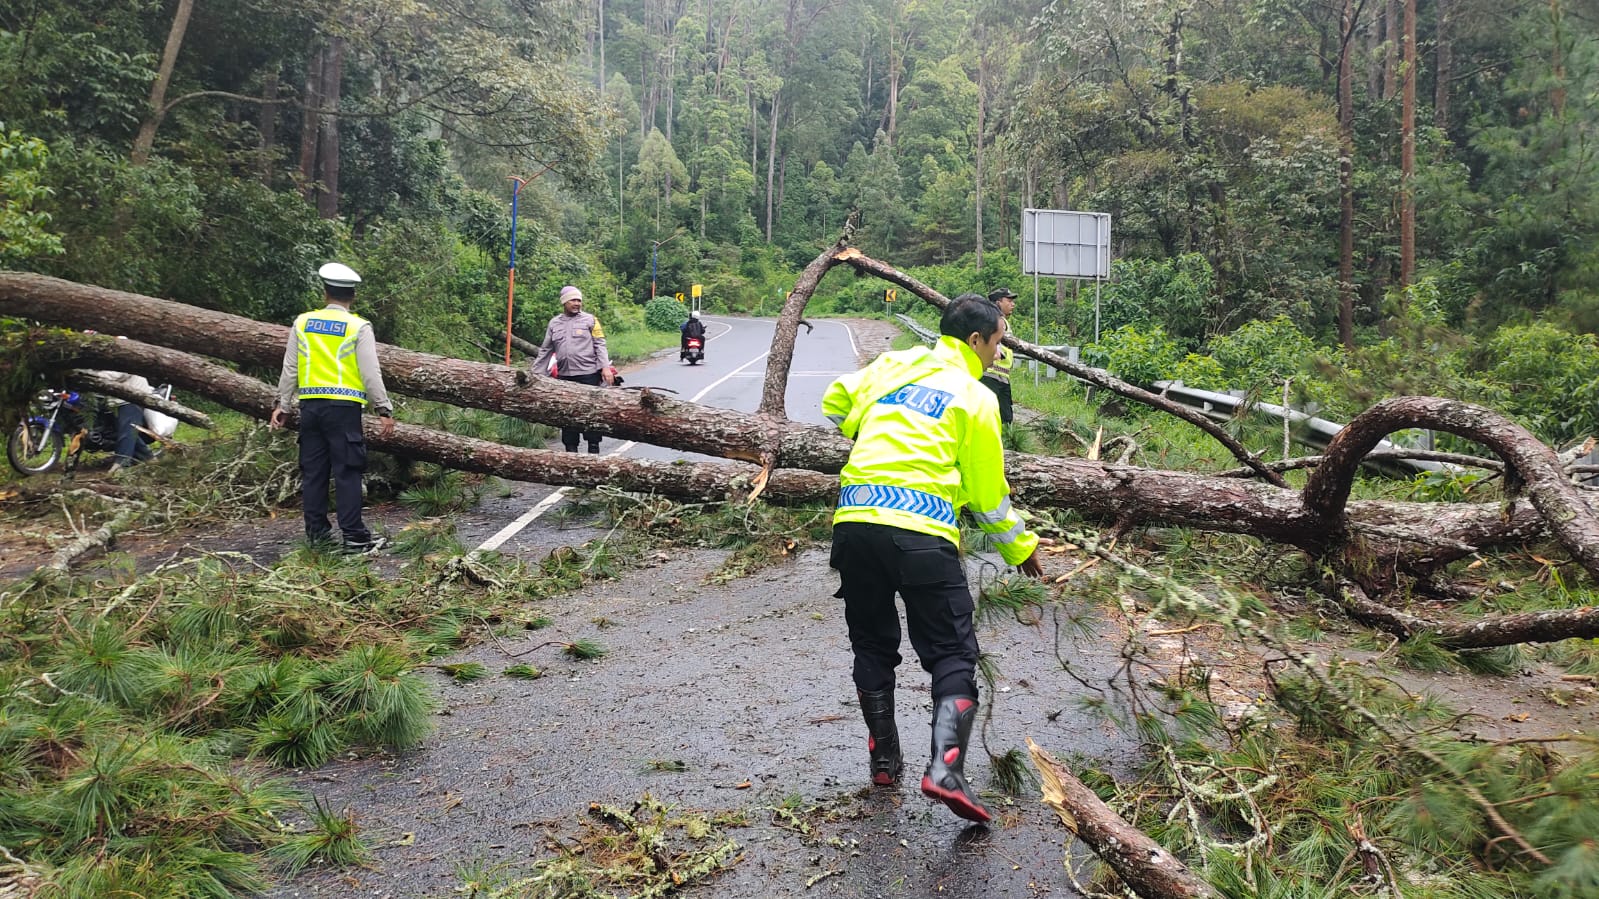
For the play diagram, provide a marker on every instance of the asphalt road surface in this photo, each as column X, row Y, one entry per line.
column 731, row 377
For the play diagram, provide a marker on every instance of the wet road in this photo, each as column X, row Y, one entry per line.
column 731, row 377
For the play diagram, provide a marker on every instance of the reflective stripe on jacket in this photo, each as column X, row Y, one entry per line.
column 328, row 369
column 927, row 445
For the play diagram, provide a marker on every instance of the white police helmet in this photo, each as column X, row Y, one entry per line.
column 694, row 314
column 337, row 274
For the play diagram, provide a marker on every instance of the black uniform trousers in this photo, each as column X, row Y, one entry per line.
column 331, row 444
column 569, row 435
column 1002, row 392
column 874, row 561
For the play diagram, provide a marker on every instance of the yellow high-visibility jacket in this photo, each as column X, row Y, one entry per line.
column 328, row 367
column 1004, row 361
column 927, row 445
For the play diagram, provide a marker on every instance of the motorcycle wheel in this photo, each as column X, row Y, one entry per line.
column 45, row 444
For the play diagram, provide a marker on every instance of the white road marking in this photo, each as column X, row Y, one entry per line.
column 545, row 504
column 851, row 332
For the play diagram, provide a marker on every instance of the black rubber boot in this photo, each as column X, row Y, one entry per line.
column 882, row 735
column 945, row 778
column 594, row 448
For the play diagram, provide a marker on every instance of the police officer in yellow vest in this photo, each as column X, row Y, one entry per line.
column 331, row 365
column 998, row 375
column 927, row 445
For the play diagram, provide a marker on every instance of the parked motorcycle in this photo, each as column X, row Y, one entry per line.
column 63, row 424
column 693, row 351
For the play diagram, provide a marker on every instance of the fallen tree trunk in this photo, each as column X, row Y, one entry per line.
column 242, row 393
column 1143, row 864
column 1549, row 626
column 1097, row 377
column 94, row 382
column 1419, row 534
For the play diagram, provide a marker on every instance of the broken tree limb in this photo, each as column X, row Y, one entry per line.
column 781, row 358
column 1565, row 511
column 1097, row 377
column 1484, row 633
column 497, row 388
column 1298, row 462
column 96, row 383
column 525, row 347
column 242, row 393
column 1141, row 863
column 1418, row 534
column 101, row 538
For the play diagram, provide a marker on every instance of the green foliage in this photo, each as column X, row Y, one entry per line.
column 1546, row 377
column 664, row 314
column 333, row 838
column 24, row 231
column 1139, row 355
column 1177, row 294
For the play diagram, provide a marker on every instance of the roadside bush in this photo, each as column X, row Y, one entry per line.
column 1548, row 378
column 1139, row 356
column 663, row 314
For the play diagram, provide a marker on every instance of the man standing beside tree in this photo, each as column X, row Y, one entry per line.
column 577, row 342
column 997, row 378
column 331, row 365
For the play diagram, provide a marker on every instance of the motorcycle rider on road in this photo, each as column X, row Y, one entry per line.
column 693, row 328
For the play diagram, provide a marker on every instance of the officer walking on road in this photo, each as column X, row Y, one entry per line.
column 577, row 342
column 927, row 443
column 997, row 378
column 331, row 365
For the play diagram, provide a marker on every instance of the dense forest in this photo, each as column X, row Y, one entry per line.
column 1403, row 191
column 1388, row 209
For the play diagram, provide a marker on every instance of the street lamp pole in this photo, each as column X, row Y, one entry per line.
column 655, row 258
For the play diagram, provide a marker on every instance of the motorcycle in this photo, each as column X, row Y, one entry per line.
column 693, row 351
column 64, row 423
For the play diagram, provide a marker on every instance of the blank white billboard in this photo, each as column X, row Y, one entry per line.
column 1061, row 244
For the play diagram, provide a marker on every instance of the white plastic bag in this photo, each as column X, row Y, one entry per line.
column 163, row 425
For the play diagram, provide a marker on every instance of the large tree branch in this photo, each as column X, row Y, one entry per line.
column 1495, row 630
column 788, row 322
column 1141, row 863
column 95, row 382
column 1095, row 376
column 1535, row 464
column 1414, row 533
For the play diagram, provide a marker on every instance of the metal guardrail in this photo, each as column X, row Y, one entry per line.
column 1304, row 428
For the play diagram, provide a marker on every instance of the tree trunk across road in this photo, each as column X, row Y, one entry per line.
column 1408, row 534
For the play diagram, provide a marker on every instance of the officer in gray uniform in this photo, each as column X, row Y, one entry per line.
column 577, row 342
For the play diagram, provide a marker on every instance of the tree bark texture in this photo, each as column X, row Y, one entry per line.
column 308, row 119
column 242, row 393
column 1406, row 534
column 94, row 382
column 1346, row 178
column 1534, row 465
column 145, row 139
column 1407, row 154
column 1141, row 863
column 1483, row 633
column 327, row 199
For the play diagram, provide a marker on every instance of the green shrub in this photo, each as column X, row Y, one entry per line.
column 664, row 314
column 1547, row 378
column 1137, row 355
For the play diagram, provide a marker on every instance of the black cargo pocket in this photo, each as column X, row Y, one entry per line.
column 926, row 560
column 355, row 449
